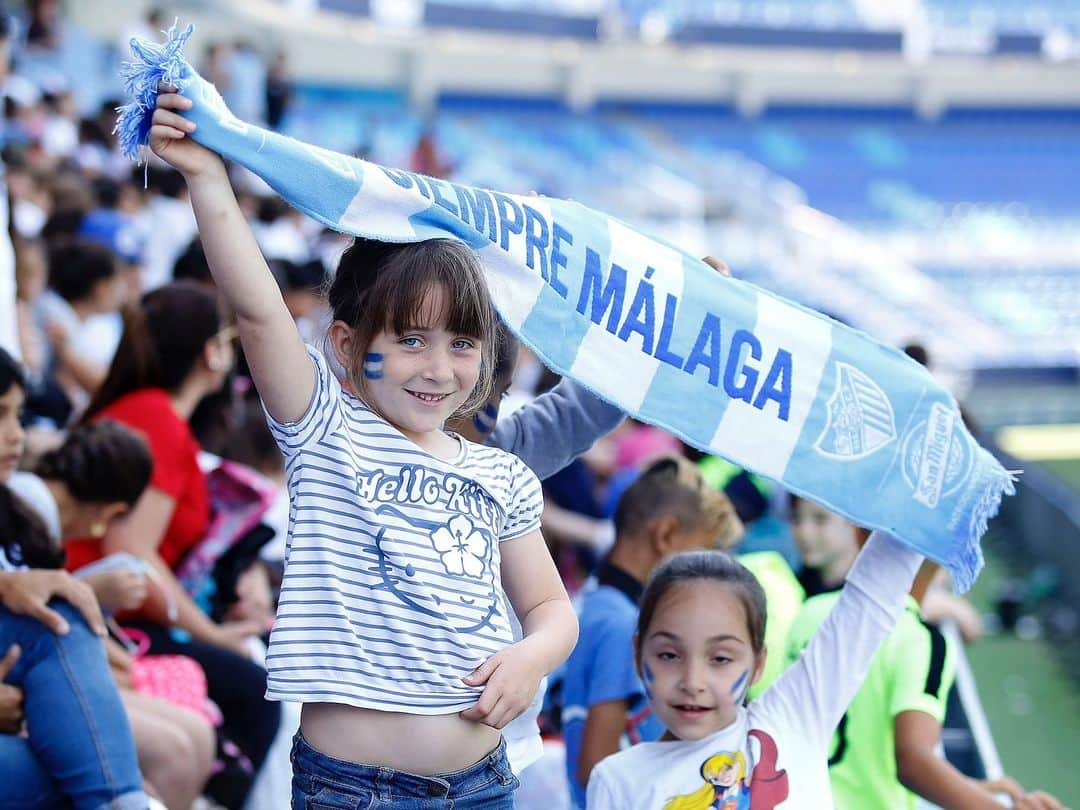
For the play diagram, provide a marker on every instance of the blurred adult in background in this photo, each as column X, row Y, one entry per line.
column 245, row 94
column 301, row 286
column 278, row 89
column 148, row 27
column 43, row 25
column 177, row 350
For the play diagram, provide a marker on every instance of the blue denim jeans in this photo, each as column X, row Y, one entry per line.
column 79, row 751
column 321, row 782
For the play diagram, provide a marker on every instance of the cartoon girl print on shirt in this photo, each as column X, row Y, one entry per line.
column 725, row 785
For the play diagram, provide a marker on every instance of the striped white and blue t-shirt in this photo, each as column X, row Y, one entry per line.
column 392, row 592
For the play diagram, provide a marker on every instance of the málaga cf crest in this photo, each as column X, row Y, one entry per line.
column 859, row 417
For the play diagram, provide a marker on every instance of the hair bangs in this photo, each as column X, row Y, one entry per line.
column 408, row 301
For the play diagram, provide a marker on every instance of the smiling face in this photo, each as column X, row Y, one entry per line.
column 697, row 659
column 11, row 430
column 418, row 378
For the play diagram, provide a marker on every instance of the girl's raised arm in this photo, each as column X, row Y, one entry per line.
column 814, row 692
column 279, row 363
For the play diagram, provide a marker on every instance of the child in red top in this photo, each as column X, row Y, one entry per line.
column 176, row 473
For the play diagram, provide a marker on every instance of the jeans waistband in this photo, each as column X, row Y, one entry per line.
column 387, row 782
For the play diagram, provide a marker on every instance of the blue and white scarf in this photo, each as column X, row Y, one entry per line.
column 731, row 369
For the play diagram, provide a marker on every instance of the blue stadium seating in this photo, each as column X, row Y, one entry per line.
column 1005, row 15
column 581, row 16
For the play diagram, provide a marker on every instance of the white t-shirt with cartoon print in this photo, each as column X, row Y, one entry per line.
column 392, row 590
column 775, row 755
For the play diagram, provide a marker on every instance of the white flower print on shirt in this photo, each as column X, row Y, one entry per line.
column 462, row 547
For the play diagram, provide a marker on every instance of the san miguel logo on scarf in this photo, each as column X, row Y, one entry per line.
column 860, row 417
column 937, row 457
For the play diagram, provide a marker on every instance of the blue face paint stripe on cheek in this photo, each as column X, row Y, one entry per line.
column 491, row 411
column 373, row 365
column 738, row 689
column 484, row 420
column 647, row 676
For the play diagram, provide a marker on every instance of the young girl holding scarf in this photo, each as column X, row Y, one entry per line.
column 406, row 542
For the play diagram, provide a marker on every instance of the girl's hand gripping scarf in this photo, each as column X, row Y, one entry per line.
column 734, row 370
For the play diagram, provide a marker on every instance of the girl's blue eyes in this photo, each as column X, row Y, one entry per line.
column 415, row 342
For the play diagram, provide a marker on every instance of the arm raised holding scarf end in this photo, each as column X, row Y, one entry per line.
column 279, row 363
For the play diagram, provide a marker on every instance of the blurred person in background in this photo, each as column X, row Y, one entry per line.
column 278, row 89
column 31, row 195
column 8, row 333
column 637, row 445
column 245, row 93
column 301, row 286
column 762, row 507
column 79, row 489
column 825, row 544
column 60, row 128
column 427, row 158
column 79, row 744
column 886, row 750
column 177, row 350
column 166, row 222
column 47, row 407
column 279, row 230
column 148, row 27
column 31, row 279
column 112, row 223
column 83, row 283
column 215, row 66
column 43, row 24
column 191, row 265
column 939, row 603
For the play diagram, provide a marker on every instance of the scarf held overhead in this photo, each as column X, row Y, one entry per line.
column 732, row 369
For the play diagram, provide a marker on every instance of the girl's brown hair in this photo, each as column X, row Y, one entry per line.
column 688, row 567
column 382, row 286
column 102, row 462
column 164, row 336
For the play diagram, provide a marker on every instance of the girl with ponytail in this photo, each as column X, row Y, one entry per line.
column 79, row 489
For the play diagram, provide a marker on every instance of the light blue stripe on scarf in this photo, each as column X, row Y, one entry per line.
column 732, row 369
